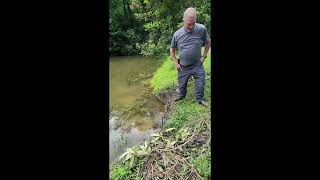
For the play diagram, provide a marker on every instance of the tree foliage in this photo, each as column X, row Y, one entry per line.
column 147, row 26
column 124, row 29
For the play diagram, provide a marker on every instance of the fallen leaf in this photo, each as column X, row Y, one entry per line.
column 131, row 162
column 155, row 135
column 128, row 157
column 125, row 153
column 170, row 129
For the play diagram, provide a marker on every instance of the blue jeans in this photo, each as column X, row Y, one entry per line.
column 198, row 73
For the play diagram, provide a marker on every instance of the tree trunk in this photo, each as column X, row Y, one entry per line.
column 130, row 15
column 129, row 10
column 125, row 9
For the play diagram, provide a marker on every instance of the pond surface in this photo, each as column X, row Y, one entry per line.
column 133, row 111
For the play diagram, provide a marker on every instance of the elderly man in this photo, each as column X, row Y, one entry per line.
column 189, row 39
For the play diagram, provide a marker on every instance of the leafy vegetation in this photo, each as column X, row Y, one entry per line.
column 120, row 171
column 169, row 154
column 202, row 163
column 146, row 26
column 124, row 29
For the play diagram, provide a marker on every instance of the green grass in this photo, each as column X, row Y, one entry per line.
column 165, row 77
column 118, row 171
column 187, row 108
column 202, row 163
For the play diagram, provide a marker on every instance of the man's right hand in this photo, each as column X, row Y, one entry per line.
column 178, row 66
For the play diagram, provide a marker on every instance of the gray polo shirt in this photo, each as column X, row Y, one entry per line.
column 189, row 43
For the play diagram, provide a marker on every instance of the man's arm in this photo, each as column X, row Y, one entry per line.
column 173, row 56
column 207, row 40
column 173, row 52
column 207, row 47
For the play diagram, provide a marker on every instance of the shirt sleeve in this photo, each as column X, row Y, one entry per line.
column 173, row 42
column 205, row 35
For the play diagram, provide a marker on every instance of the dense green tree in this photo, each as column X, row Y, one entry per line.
column 162, row 18
column 147, row 26
column 124, row 30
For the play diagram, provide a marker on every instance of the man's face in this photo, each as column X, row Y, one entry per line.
column 189, row 22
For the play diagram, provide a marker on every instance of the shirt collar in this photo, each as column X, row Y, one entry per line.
column 186, row 30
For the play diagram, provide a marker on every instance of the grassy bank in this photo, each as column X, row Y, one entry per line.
column 180, row 150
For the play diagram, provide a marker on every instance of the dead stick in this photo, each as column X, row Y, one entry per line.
column 151, row 171
column 181, row 160
column 178, row 173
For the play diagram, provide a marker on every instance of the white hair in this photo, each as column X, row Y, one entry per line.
column 190, row 12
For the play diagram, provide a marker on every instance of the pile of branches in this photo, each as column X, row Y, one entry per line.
column 168, row 155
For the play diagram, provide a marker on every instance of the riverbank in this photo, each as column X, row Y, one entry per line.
column 182, row 148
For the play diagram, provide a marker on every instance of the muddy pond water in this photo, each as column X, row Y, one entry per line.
column 133, row 110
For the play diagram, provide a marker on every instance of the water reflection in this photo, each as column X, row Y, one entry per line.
column 133, row 110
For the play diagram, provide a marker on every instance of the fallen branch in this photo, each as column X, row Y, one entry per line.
column 184, row 161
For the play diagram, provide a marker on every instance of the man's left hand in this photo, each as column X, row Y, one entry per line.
column 202, row 59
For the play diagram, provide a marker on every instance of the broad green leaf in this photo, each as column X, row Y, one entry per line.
column 125, row 153
column 131, row 162
column 141, row 153
column 155, row 135
column 170, row 129
column 128, row 157
column 142, row 147
column 130, row 150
